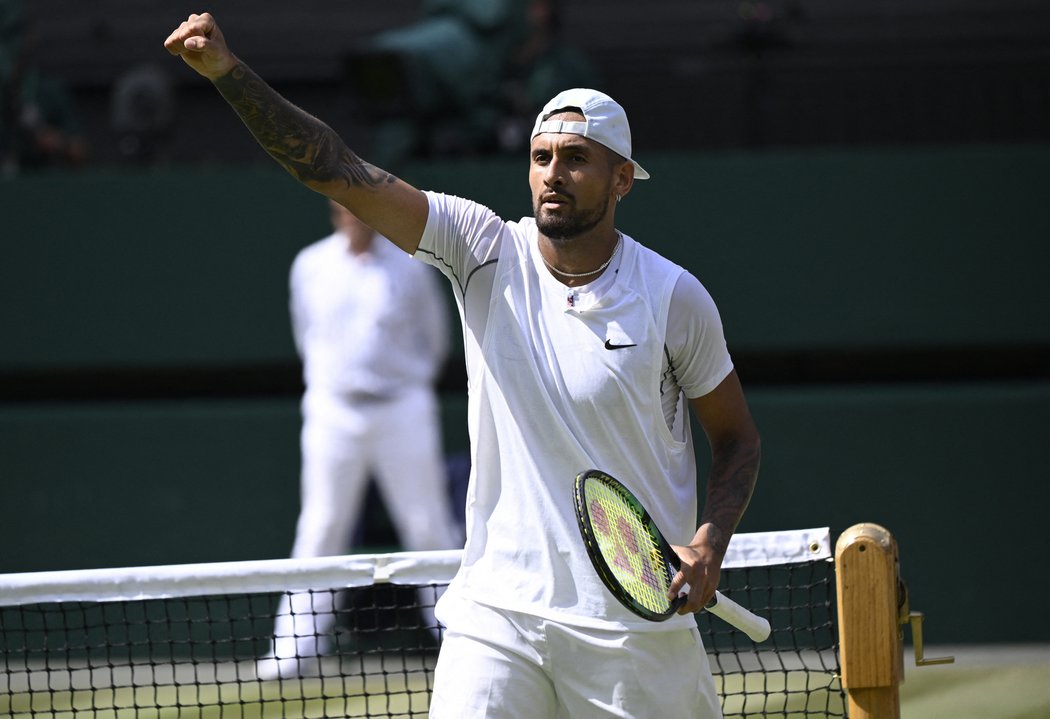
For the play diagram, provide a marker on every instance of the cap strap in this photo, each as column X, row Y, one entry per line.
column 560, row 126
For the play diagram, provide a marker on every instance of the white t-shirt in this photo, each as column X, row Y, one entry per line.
column 374, row 322
column 557, row 387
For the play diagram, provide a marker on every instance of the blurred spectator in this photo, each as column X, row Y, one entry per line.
column 371, row 326
column 465, row 79
column 540, row 67
column 142, row 112
column 39, row 126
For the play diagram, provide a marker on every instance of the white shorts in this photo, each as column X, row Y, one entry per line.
column 499, row 664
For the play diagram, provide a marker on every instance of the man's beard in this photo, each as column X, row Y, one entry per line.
column 568, row 226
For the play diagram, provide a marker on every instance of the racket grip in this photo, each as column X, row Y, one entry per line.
column 755, row 627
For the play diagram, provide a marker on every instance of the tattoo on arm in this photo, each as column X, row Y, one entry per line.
column 303, row 145
column 734, row 472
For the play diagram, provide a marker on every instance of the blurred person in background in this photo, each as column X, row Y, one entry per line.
column 538, row 68
column 371, row 327
column 39, row 126
column 464, row 78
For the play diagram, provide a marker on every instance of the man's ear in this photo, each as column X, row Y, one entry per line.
column 623, row 180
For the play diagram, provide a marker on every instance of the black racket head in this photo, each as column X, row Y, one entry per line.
column 627, row 549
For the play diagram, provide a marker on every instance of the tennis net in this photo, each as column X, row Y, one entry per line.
column 355, row 636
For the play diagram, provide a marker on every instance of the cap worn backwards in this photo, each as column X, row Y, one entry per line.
column 605, row 122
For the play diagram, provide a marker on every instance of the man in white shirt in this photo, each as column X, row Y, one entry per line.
column 584, row 349
column 371, row 327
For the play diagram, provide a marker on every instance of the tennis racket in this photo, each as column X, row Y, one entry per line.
column 634, row 560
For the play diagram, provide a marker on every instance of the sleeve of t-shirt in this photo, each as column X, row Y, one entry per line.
column 695, row 341
column 460, row 235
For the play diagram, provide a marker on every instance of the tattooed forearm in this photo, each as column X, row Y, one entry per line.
column 734, row 472
column 303, row 145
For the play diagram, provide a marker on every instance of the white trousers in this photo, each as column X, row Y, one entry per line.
column 498, row 664
column 398, row 442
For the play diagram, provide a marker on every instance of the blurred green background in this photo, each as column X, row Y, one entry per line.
column 887, row 310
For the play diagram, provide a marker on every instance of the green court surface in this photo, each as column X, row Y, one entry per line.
column 993, row 682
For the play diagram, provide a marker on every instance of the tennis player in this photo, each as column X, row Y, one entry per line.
column 584, row 349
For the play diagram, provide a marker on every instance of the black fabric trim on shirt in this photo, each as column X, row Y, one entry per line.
column 462, row 285
column 474, row 271
column 451, row 269
column 670, row 371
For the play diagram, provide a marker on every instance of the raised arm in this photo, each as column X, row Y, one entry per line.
column 303, row 145
column 735, row 455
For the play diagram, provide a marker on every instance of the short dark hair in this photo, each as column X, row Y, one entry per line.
column 560, row 110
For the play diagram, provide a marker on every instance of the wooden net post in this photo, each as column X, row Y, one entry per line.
column 869, row 602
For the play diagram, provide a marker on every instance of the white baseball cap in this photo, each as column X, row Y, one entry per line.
column 605, row 122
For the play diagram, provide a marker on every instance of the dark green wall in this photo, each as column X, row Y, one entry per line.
column 156, row 268
column 956, row 472
column 823, row 249
column 136, row 483
column 940, row 248
column 841, row 249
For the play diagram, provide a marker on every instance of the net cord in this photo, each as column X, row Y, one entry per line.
column 754, row 549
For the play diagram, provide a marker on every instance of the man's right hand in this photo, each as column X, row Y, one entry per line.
column 201, row 45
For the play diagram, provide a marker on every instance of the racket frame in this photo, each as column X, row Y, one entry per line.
column 755, row 627
column 668, row 557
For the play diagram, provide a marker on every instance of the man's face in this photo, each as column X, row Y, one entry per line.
column 571, row 178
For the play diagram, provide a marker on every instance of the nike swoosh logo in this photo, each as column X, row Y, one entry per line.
column 610, row 346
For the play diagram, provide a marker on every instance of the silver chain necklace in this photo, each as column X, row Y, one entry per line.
column 552, row 268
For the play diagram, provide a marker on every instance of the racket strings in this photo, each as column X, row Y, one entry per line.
column 629, row 548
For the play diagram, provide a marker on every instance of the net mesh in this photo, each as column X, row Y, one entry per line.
column 356, row 637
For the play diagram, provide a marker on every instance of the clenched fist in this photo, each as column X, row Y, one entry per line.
column 200, row 43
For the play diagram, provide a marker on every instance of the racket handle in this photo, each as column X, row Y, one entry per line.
column 754, row 626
